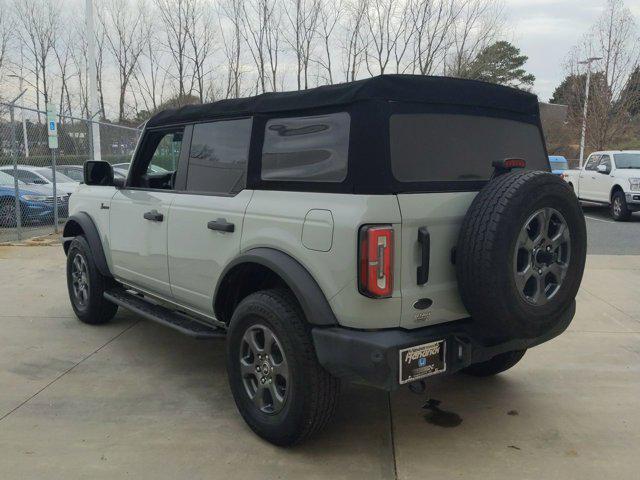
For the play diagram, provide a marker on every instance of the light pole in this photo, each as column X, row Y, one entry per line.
column 586, row 62
column 25, row 139
column 94, row 128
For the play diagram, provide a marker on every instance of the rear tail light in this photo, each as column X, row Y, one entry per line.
column 376, row 261
column 514, row 163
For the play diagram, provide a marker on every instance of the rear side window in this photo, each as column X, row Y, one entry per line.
column 306, row 149
column 218, row 156
column 428, row 147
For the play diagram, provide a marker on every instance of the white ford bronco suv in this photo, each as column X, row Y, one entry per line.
column 380, row 232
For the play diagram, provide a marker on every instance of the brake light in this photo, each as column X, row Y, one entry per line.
column 376, row 261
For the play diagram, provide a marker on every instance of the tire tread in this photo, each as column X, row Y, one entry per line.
column 321, row 391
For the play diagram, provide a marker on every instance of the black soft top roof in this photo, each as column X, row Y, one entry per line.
column 399, row 88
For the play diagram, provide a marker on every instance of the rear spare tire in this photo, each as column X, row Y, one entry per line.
column 521, row 254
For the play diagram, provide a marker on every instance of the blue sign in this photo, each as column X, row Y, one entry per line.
column 52, row 125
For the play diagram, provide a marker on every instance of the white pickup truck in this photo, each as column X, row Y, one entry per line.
column 609, row 178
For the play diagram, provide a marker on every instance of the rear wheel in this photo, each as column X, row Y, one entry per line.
column 498, row 364
column 619, row 210
column 87, row 285
column 280, row 389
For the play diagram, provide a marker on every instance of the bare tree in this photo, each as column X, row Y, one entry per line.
column 149, row 77
column 201, row 40
column 386, row 27
column 477, row 24
column 6, row 28
column 303, row 17
column 79, row 61
column 232, row 46
column 174, row 15
column 405, row 40
column 432, row 23
column 614, row 38
column 328, row 17
column 124, row 34
column 355, row 40
column 261, row 32
column 273, row 38
column 39, row 21
column 63, row 52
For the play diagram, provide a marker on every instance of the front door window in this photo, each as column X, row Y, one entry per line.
column 157, row 162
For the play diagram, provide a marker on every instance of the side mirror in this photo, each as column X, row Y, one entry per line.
column 603, row 169
column 98, row 173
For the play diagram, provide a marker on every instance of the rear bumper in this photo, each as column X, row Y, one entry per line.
column 372, row 358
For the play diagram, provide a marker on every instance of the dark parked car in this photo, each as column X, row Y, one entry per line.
column 36, row 202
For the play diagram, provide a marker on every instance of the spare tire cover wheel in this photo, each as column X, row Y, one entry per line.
column 521, row 254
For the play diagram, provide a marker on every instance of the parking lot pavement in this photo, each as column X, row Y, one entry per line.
column 134, row 399
column 606, row 236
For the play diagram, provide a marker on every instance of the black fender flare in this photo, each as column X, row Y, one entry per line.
column 82, row 222
column 312, row 300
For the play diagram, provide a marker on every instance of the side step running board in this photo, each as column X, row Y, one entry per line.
column 162, row 315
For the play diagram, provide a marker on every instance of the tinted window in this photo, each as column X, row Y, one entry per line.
column 155, row 165
column 448, row 147
column 627, row 160
column 606, row 161
column 218, row 156
column 167, row 153
column 592, row 163
column 306, row 149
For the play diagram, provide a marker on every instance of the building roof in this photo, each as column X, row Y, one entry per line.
column 399, row 88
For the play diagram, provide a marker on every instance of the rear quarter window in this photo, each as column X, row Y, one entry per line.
column 429, row 147
column 306, row 149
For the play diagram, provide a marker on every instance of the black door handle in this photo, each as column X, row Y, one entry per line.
column 424, row 239
column 221, row 225
column 154, row 216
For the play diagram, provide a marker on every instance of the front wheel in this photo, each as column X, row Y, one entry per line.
column 280, row 389
column 87, row 285
column 619, row 210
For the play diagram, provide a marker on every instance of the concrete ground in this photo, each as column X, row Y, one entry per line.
column 606, row 236
column 133, row 399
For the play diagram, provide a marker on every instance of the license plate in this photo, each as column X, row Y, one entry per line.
column 422, row 361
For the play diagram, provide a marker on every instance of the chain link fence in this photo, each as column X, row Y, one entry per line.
column 31, row 203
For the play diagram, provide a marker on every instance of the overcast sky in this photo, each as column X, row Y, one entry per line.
column 545, row 31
